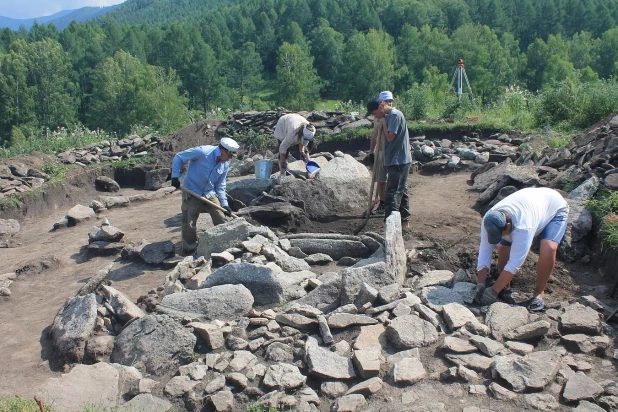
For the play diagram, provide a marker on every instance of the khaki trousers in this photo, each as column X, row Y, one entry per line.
column 191, row 209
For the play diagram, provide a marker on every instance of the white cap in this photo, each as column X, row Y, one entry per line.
column 386, row 95
column 229, row 144
column 308, row 133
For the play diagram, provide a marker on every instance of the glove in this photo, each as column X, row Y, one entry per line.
column 371, row 158
column 489, row 296
column 480, row 287
column 304, row 156
column 228, row 211
column 283, row 165
column 176, row 182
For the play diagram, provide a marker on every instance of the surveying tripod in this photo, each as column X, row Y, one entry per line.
column 459, row 76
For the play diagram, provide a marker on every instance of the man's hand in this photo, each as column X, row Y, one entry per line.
column 371, row 158
column 176, row 182
column 489, row 296
column 304, row 156
column 480, row 288
column 228, row 211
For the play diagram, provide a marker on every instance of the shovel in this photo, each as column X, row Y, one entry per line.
column 203, row 199
column 372, row 202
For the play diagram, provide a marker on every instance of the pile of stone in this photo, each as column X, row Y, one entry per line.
column 245, row 333
column 326, row 122
column 110, row 151
column 18, row 178
column 9, row 228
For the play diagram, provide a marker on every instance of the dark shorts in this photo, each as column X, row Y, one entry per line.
column 554, row 230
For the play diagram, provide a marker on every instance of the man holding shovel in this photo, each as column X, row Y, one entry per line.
column 206, row 175
column 381, row 169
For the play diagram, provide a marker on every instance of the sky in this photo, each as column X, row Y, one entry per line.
column 25, row 9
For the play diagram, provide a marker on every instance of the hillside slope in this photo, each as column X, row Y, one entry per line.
column 61, row 19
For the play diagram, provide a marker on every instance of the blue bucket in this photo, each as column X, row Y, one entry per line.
column 312, row 167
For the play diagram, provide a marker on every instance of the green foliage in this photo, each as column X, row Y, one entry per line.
column 297, row 81
column 604, row 208
column 257, row 408
column 132, row 162
column 18, row 404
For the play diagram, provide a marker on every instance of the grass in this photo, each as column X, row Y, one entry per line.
column 256, row 408
column 604, row 208
column 18, row 404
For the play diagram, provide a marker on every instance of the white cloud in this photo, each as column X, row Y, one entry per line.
column 25, row 9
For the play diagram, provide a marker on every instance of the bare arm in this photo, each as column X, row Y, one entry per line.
column 390, row 136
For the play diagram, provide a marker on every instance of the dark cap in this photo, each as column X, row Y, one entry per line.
column 373, row 105
column 494, row 223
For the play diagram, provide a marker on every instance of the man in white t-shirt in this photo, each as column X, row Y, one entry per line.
column 292, row 129
column 512, row 224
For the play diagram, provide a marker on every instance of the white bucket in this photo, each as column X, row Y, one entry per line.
column 263, row 169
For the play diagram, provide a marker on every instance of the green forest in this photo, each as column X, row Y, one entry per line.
column 165, row 63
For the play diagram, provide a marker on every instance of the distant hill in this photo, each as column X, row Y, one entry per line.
column 61, row 19
column 154, row 12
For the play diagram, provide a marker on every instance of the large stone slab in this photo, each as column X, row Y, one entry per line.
column 327, row 296
column 502, row 318
column 394, row 249
column 125, row 309
column 261, row 281
column 72, row 327
column 457, row 315
column 531, row 372
column 411, row 332
column 335, row 248
column 78, row 214
column 578, row 318
column 473, row 361
column 409, row 371
column 327, row 364
column 437, row 296
column 371, row 271
column 525, row 175
column 344, row 320
column 222, row 237
column 155, row 341
column 284, row 376
column 246, row 190
column 223, row 302
column 580, row 387
column 434, row 278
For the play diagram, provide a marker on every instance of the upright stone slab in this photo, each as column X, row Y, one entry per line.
column 394, row 248
column 223, row 302
column 73, row 325
column 261, row 281
column 371, row 271
column 219, row 238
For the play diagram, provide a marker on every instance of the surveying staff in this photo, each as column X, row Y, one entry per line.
column 397, row 157
column 208, row 168
column 293, row 129
column 381, row 169
column 512, row 224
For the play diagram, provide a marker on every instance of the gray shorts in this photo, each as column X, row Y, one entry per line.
column 382, row 174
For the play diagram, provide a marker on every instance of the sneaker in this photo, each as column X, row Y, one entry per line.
column 380, row 210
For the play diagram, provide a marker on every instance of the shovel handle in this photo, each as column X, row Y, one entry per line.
column 203, row 199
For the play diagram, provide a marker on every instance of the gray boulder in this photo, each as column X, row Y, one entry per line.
column 156, row 178
column 572, row 247
column 223, row 302
column 437, row 296
column 284, row 376
column 155, row 341
column 524, row 175
column 106, row 184
column 78, row 214
column 222, row 237
column 283, row 260
column 578, row 318
column 155, row 253
column 502, row 319
column 531, row 372
column 326, row 364
column 327, row 296
column 581, row 387
column 259, row 279
column 371, row 271
column 125, row 309
column 410, row 331
column 105, row 232
column 145, row 402
column 72, row 327
column 246, row 190
column 335, row 248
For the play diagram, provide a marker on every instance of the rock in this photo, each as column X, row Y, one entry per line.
column 467, row 375
column 155, row 179
column 78, row 214
column 147, row 403
column 370, row 271
column 586, row 190
column 501, row 393
column 333, row 389
column 106, row 184
column 344, row 320
column 367, row 362
column 371, row 337
column 525, row 175
column 529, row 331
column 212, row 334
column 486, row 345
column 531, row 372
column 308, row 395
column 350, row 403
column 318, row 259
column 156, row 253
column 457, row 315
column 83, row 386
column 179, row 386
column 437, row 296
column 367, row 294
column 367, row 388
column 261, row 281
column 326, row 364
column 611, row 181
column 283, row 260
column 246, row 190
column 8, row 229
column 409, row 371
column 296, row 252
column 279, row 352
column 458, row 345
column 466, row 290
column 335, row 248
column 296, row 321
column 326, row 296
column 347, row 261
column 99, row 348
column 586, row 344
column 284, row 376
column 122, row 305
column 580, row 387
column 242, row 360
column 219, row 238
column 72, row 327
column 196, row 371
column 222, row 401
column 114, row 201
column 609, row 402
column 542, row 401
column 105, row 232
column 433, row 278
column 395, row 251
column 224, row 302
column 502, row 318
column 578, row 318
column 222, row 258
column 430, row 316
column 585, row 406
column 519, row 348
column 410, row 332
column 155, row 341
column 572, row 248
column 473, row 361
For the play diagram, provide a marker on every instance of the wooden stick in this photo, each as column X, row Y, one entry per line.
column 203, row 199
column 373, row 180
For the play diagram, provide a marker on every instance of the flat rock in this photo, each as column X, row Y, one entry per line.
column 335, row 248
column 78, row 214
column 531, row 372
column 155, row 341
column 179, row 386
column 473, row 361
column 519, row 348
column 156, row 253
column 409, row 371
column 367, row 388
column 466, row 289
column 296, row 321
column 371, row 337
column 261, row 281
column 368, row 362
column 580, row 342
column 246, row 190
column 434, row 278
column 327, row 364
column 344, row 320
column 72, row 327
column 122, row 305
column 224, row 302
column 318, row 259
column 333, row 389
column 578, row 318
column 222, row 401
column 458, row 345
column 435, row 297
column 457, row 315
column 525, row 175
column 242, row 359
column 580, row 387
column 350, row 403
column 585, row 406
column 284, row 376
column 410, row 332
column 327, row 296
column 487, row 345
column 502, row 318
column 147, row 403
column 370, row 271
column 542, row 401
column 219, row 238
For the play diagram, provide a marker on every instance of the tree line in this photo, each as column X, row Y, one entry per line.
column 262, row 53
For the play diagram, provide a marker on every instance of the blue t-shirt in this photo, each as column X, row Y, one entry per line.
column 397, row 152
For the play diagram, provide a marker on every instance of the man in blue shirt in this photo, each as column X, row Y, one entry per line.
column 208, row 168
column 397, row 157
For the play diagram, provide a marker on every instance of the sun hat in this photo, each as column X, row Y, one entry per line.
column 229, row 144
column 308, row 133
column 386, row 95
column 494, row 223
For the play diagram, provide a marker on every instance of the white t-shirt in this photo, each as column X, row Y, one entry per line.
column 531, row 210
column 286, row 130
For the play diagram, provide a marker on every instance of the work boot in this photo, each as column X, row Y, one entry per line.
column 380, row 209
